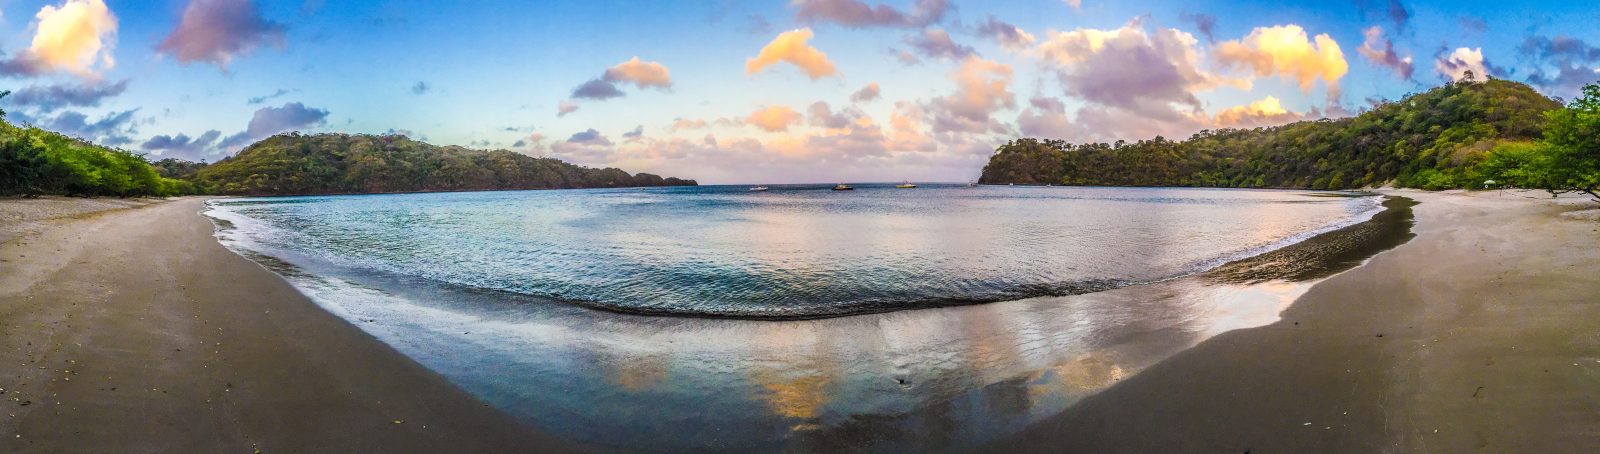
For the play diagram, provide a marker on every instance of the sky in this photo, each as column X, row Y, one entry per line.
column 753, row 92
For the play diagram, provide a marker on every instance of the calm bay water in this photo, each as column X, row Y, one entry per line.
column 497, row 291
column 792, row 251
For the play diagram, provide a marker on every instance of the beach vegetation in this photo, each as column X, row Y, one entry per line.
column 1566, row 160
column 34, row 161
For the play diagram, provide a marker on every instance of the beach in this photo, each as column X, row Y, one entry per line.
column 135, row 330
column 1477, row 335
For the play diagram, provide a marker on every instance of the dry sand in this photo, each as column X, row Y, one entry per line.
column 134, row 331
column 20, row 216
column 1481, row 334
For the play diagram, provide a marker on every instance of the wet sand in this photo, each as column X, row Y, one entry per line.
column 133, row 330
column 1479, row 334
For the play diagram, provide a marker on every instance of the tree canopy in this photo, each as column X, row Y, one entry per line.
column 35, row 161
column 359, row 163
column 1432, row 140
column 1566, row 160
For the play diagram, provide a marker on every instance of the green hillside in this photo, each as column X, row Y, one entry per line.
column 1432, row 140
column 357, row 163
column 34, row 161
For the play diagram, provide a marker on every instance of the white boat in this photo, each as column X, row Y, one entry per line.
column 758, row 188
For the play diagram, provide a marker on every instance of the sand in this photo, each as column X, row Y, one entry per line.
column 1477, row 335
column 133, row 330
column 22, row 216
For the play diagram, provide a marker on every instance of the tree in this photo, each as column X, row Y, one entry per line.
column 1567, row 160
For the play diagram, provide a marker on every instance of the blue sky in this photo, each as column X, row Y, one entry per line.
column 201, row 79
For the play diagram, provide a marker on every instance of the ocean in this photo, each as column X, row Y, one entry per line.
column 716, row 318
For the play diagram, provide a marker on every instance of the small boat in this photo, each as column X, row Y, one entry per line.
column 843, row 187
column 905, row 185
column 758, row 188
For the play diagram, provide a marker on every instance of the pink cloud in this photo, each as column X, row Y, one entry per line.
column 217, row 31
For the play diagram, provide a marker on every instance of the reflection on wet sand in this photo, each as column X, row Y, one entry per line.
column 1088, row 372
column 639, row 372
column 940, row 378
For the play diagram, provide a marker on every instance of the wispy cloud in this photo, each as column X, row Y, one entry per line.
column 1560, row 65
column 1206, row 24
column 936, row 43
column 1380, row 51
column 858, row 14
column 264, row 98
column 48, row 98
column 1007, row 35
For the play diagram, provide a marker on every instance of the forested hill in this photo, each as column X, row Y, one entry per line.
column 34, row 161
column 290, row 164
column 1429, row 140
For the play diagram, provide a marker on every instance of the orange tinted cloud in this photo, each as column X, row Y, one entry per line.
column 76, row 36
column 791, row 47
column 982, row 88
column 774, row 118
column 566, row 107
column 687, row 123
column 1286, row 51
column 640, row 73
column 1266, row 112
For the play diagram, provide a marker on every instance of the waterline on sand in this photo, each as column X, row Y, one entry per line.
column 949, row 377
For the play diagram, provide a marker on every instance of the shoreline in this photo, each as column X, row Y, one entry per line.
column 1418, row 338
column 1302, row 247
column 138, row 331
column 1084, row 359
column 1476, row 334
